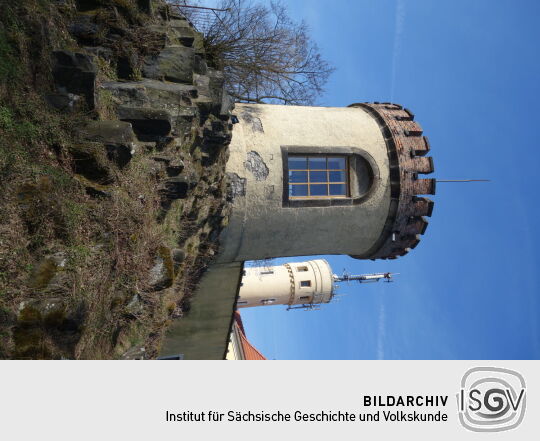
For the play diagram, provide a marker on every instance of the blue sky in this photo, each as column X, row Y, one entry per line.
column 470, row 72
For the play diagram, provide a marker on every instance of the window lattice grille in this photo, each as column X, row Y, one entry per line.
column 318, row 177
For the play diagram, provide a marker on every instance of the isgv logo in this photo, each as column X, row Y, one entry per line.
column 491, row 399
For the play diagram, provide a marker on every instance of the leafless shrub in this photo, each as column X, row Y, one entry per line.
column 266, row 56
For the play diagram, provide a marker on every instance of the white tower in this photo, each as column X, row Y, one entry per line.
column 297, row 284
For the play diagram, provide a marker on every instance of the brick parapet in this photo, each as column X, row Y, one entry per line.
column 407, row 148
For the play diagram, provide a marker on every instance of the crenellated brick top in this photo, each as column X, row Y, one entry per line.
column 406, row 151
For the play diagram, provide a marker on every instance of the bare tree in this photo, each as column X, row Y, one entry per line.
column 266, row 57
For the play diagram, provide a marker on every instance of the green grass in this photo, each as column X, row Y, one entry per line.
column 9, row 67
column 6, row 119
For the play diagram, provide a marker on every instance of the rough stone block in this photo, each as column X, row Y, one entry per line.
column 149, row 124
column 129, row 93
column 64, row 102
column 173, row 63
column 175, row 167
column 86, row 30
column 75, row 73
column 177, row 187
column 162, row 273
column 109, row 132
column 126, row 65
column 199, row 65
column 183, row 34
column 120, row 154
column 169, row 94
column 90, row 162
column 227, row 104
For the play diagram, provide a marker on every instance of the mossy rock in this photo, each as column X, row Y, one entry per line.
column 110, row 132
column 162, row 273
column 75, row 72
column 128, row 341
column 135, row 306
column 174, row 63
column 30, row 336
column 46, row 312
column 46, row 271
column 90, row 160
column 93, row 189
column 46, row 328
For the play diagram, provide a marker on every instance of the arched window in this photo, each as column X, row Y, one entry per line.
column 318, row 176
column 327, row 176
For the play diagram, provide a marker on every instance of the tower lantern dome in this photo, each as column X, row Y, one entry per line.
column 326, row 180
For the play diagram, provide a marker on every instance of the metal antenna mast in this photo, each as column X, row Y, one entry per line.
column 463, row 180
column 346, row 277
column 364, row 278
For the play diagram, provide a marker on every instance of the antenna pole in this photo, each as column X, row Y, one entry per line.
column 463, row 180
column 364, row 278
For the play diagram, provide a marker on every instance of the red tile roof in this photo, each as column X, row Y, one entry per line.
column 250, row 353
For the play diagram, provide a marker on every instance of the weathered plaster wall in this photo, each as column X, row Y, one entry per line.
column 260, row 226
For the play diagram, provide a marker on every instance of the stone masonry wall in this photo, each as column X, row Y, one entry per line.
column 407, row 148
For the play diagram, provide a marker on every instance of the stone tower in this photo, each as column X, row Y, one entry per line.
column 326, row 180
column 308, row 181
column 299, row 283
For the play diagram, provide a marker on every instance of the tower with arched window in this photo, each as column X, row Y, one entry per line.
column 308, row 181
column 326, row 180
